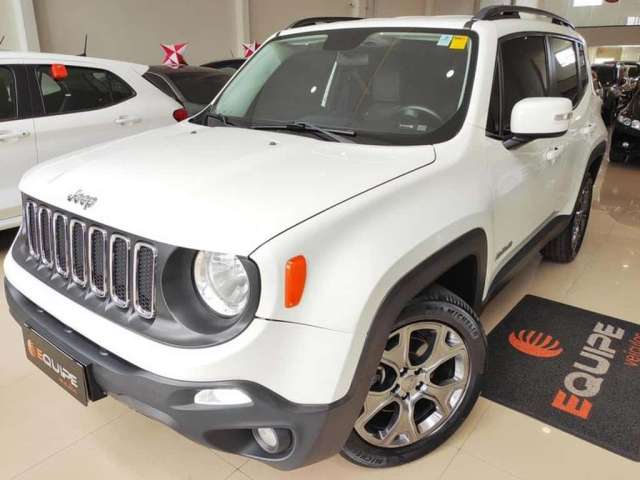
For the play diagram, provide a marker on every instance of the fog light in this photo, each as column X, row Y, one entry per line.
column 221, row 396
column 268, row 439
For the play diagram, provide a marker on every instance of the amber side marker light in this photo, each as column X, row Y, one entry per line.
column 294, row 280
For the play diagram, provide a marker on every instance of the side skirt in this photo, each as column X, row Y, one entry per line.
column 549, row 231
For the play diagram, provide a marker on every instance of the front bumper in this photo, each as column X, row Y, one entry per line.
column 315, row 431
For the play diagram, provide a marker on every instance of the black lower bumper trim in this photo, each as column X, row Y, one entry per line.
column 317, row 431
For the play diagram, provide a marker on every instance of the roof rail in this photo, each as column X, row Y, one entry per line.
column 501, row 12
column 306, row 22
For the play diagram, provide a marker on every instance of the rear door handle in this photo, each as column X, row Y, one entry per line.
column 127, row 120
column 8, row 135
column 588, row 129
column 553, row 154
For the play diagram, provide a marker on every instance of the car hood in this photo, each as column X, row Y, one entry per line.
column 223, row 189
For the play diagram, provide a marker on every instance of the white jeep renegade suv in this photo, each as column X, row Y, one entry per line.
column 297, row 270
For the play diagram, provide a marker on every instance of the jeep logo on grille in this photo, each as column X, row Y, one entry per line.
column 79, row 197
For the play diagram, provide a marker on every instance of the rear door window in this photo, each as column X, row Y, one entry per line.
column 83, row 89
column 584, row 69
column 8, row 100
column 565, row 69
column 525, row 72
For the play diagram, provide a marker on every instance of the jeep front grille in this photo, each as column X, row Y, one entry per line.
column 60, row 242
column 31, row 211
column 44, row 235
column 98, row 261
column 144, row 259
column 91, row 257
column 78, row 249
column 120, row 247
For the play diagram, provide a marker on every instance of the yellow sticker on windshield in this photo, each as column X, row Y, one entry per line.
column 459, row 42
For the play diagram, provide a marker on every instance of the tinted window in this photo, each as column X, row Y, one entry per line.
column 524, row 72
column 82, row 89
column 120, row 90
column 565, row 67
column 198, row 87
column 584, row 69
column 493, row 118
column 8, row 103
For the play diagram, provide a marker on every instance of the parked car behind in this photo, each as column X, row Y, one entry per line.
column 625, row 141
column 610, row 77
column 228, row 64
column 52, row 104
column 194, row 87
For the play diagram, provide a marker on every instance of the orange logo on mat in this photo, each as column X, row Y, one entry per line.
column 536, row 344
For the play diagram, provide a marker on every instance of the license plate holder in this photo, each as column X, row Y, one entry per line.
column 67, row 372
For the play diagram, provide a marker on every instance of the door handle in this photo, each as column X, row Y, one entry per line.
column 588, row 129
column 127, row 120
column 8, row 135
column 553, row 154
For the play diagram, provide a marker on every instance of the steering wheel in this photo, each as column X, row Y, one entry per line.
column 410, row 111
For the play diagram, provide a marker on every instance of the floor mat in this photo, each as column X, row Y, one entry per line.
column 574, row 369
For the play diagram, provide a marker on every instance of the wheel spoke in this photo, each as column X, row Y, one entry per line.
column 398, row 355
column 442, row 351
column 372, row 405
column 440, row 395
column 404, row 427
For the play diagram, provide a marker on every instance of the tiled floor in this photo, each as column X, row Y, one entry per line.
column 46, row 434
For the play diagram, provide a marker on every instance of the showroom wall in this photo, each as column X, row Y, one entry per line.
column 268, row 16
column 18, row 26
column 133, row 30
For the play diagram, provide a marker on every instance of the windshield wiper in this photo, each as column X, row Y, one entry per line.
column 219, row 117
column 330, row 134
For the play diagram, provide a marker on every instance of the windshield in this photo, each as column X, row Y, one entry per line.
column 387, row 86
column 198, row 87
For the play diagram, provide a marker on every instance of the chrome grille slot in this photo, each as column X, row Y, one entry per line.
column 78, row 250
column 44, row 236
column 119, row 270
column 60, row 243
column 144, row 267
column 32, row 229
column 97, row 242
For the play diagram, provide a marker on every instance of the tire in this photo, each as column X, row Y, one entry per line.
column 616, row 156
column 565, row 247
column 438, row 314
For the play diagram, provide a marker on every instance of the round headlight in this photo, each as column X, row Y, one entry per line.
column 635, row 124
column 222, row 282
column 627, row 122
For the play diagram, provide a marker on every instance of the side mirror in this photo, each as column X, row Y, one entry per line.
column 541, row 117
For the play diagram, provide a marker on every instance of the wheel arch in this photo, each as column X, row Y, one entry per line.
column 595, row 159
column 468, row 249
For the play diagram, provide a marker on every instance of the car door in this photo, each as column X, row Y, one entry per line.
column 570, row 79
column 86, row 107
column 17, row 141
column 522, row 174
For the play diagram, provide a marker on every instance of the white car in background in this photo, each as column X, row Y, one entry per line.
column 91, row 101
